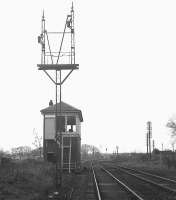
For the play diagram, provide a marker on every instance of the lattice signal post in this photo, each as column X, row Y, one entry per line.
column 51, row 61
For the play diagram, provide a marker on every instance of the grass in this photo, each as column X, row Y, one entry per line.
column 34, row 180
column 164, row 166
column 29, row 180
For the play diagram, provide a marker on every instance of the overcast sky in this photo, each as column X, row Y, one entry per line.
column 127, row 56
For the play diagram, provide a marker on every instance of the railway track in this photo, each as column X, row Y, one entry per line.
column 107, row 186
column 163, row 182
column 109, row 182
column 161, row 187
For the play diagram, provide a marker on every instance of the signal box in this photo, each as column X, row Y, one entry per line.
column 68, row 126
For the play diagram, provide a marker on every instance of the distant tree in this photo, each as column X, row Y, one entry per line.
column 156, row 151
column 37, row 142
column 172, row 125
column 21, row 152
column 4, row 153
column 88, row 151
column 89, row 148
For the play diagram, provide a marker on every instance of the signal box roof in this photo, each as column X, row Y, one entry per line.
column 65, row 108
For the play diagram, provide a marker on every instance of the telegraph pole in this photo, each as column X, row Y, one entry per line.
column 147, row 144
column 161, row 154
column 117, row 149
column 153, row 144
column 149, row 136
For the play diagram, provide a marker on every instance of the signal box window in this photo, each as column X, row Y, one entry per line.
column 71, row 124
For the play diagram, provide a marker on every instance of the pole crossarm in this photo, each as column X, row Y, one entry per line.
column 57, row 67
column 54, row 32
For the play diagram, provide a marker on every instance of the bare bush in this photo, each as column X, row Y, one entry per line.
column 37, row 142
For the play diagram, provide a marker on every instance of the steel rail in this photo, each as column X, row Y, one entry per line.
column 150, row 182
column 123, row 184
column 96, row 184
column 148, row 174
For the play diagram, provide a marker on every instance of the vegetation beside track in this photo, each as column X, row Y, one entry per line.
column 161, row 165
column 28, row 179
column 34, row 180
